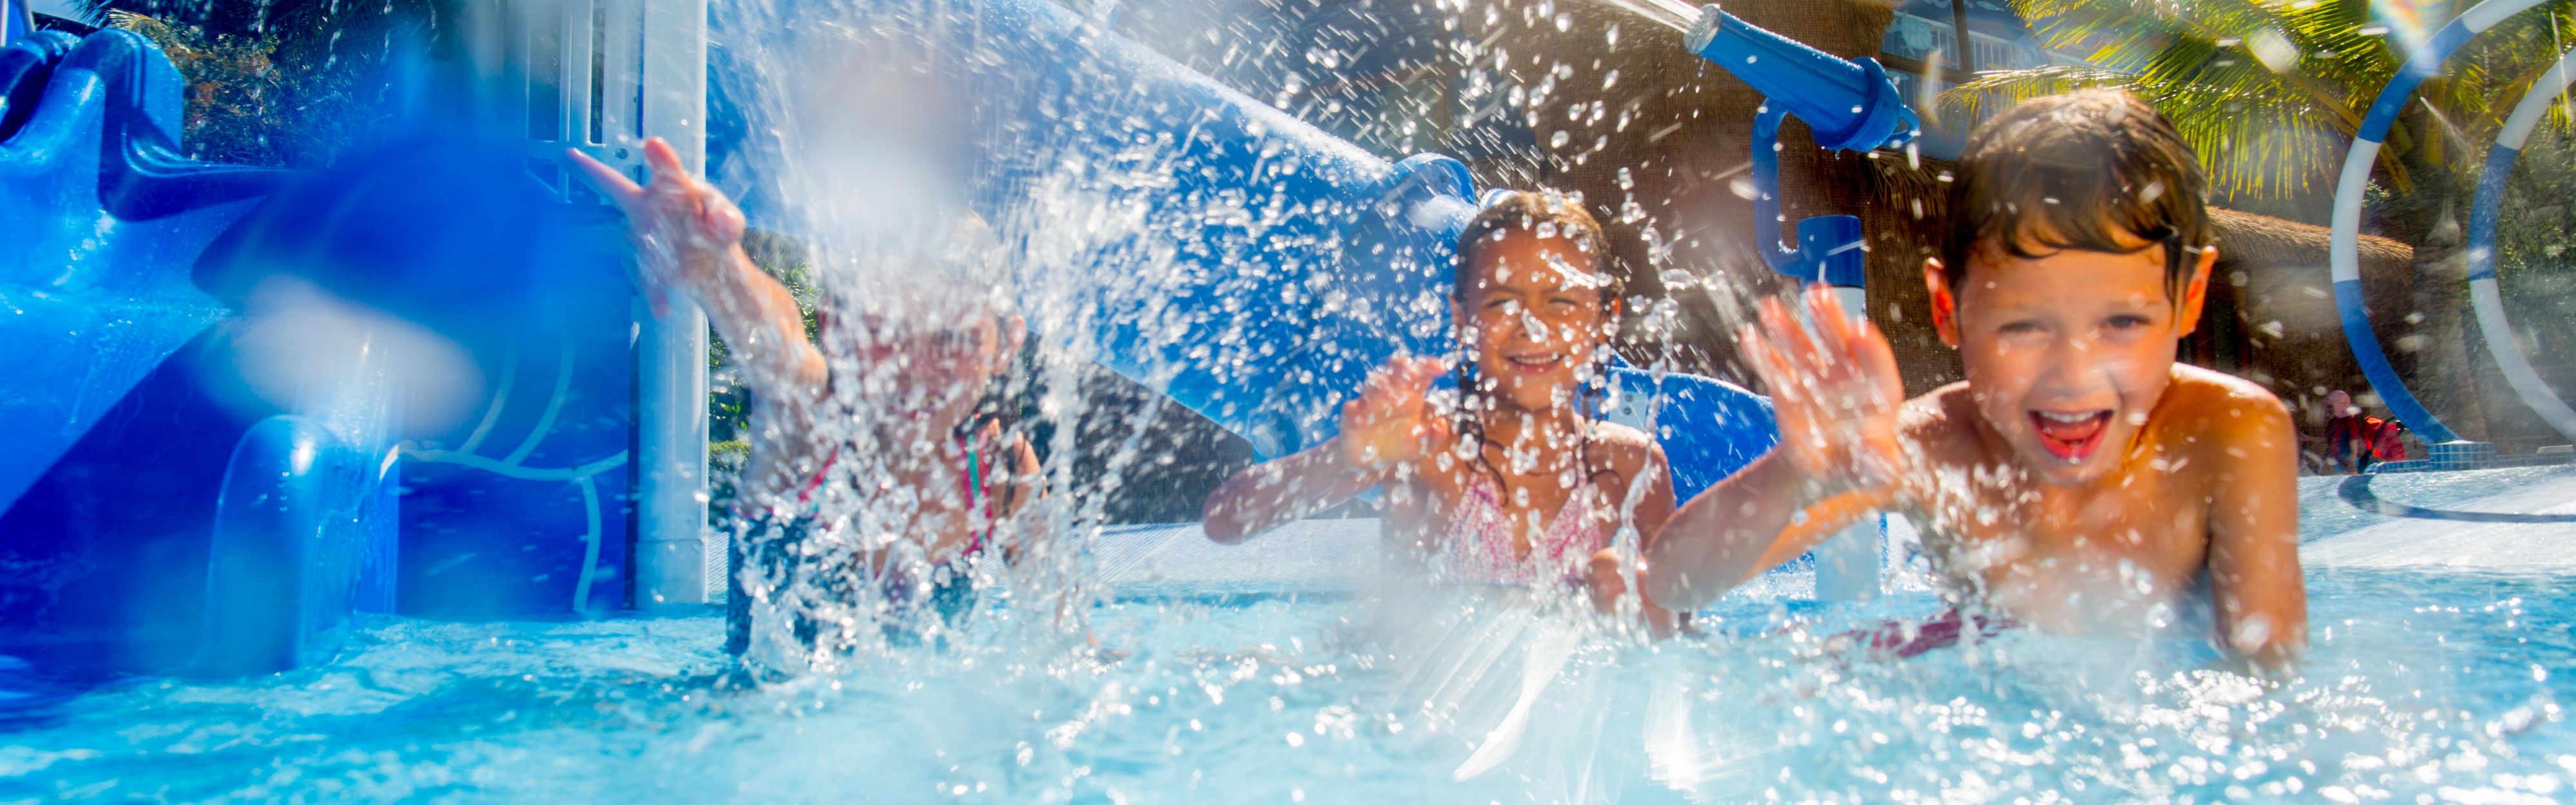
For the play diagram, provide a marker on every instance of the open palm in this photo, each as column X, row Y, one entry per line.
column 1835, row 389
column 684, row 228
column 1391, row 420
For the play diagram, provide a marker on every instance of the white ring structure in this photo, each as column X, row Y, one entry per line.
column 2483, row 214
column 2344, row 254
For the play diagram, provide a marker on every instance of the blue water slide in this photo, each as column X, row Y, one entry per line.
column 515, row 480
column 196, row 476
column 1265, row 266
column 134, row 494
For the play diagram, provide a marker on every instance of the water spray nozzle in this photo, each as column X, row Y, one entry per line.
column 1849, row 103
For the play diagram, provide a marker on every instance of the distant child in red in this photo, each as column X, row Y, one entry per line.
column 2354, row 440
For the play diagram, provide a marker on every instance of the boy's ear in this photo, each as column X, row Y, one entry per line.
column 1945, row 305
column 2195, row 291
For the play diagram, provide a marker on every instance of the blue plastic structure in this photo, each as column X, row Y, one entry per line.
column 170, row 501
column 146, row 521
column 2343, row 253
column 1848, row 104
column 2484, row 296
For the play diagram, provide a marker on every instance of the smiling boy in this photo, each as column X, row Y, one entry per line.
column 2078, row 480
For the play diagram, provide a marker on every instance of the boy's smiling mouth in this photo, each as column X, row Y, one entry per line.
column 2071, row 435
column 1534, row 362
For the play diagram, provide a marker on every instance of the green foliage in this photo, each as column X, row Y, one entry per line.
column 728, row 404
column 2535, row 258
column 2270, row 93
column 250, row 100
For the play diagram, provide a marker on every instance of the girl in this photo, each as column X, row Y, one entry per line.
column 1517, row 481
column 898, row 435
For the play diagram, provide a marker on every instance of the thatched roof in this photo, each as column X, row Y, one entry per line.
column 2265, row 240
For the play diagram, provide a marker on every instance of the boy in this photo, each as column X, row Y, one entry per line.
column 2079, row 479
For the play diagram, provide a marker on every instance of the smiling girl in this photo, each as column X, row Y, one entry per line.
column 1516, row 480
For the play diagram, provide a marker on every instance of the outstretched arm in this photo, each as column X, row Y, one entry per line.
column 1837, row 396
column 1388, row 424
column 688, row 240
column 2262, row 602
column 1273, row 493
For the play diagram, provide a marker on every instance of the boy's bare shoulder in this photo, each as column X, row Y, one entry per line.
column 1943, row 420
column 2229, row 409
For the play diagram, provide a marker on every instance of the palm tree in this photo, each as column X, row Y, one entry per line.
column 2270, row 94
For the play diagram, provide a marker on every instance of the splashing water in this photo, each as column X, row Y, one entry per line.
column 2433, row 684
column 1366, row 687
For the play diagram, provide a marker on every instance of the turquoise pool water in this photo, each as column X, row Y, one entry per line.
column 2431, row 682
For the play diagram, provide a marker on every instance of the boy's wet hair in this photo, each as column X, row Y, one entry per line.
column 2075, row 171
column 1546, row 213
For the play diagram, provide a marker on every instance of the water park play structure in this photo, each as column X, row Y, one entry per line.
column 183, row 488
column 268, row 490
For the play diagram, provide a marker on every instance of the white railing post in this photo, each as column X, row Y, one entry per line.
column 601, row 75
column 675, row 562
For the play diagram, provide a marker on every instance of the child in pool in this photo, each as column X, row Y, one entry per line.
column 2079, row 479
column 915, row 384
column 1517, row 482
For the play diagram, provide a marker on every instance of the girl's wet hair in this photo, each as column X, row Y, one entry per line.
column 1546, row 213
column 2076, row 171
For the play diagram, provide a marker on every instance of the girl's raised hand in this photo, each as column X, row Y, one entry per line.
column 684, row 229
column 1835, row 390
column 1391, row 421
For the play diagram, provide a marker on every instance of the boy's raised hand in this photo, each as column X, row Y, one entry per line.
column 1391, row 419
column 684, row 229
column 1835, row 390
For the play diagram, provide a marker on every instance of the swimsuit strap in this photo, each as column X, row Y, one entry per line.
column 973, row 479
column 821, row 474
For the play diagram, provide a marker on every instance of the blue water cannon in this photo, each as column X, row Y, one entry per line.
column 1848, row 104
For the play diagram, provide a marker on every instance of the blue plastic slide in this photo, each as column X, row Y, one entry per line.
column 222, row 432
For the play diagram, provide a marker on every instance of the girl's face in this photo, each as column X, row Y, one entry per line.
column 1533, row 316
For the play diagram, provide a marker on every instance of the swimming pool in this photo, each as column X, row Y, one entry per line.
column 2431, row 679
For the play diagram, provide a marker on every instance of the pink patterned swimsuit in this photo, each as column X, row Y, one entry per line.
column 1478, row 547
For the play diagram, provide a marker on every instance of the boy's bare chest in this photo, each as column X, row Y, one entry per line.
column 2149, row 535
